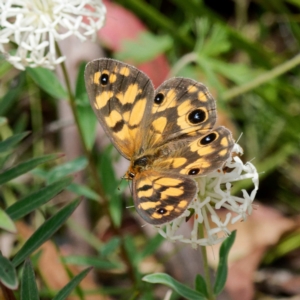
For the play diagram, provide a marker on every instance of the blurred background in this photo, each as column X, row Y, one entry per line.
column 247, row 54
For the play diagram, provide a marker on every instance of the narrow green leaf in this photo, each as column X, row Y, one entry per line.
column 96, row 262
column 29, row 289
column 10, row 142
column 8, row 274
column 8, row 100
column 152, row 246
column 200, row 285
column 44, row 232
column 5, row 222
column 35, row 200
column 24, row 167
column 86, row 116
column 222, row 270
column 66, row 169
column 83, row 190
column 110, row 247
column 48, row 82
column 68, row 288
column 110, row 185
column 180, row 288
column 80, row 89
column 87, row 121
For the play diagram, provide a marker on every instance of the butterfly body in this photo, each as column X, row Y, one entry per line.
column 167, row 134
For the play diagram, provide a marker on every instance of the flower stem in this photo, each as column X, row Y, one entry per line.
column 263, row 78
column 205, row 265
column 94, row 173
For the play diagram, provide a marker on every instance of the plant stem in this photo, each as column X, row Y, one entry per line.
column 205, row 265
column 263, row 78
column 94, row 172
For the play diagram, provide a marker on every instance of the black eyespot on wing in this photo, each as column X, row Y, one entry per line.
column 208, row 139
column 194, row 171
column 197, row 116
column 159, row 98
column 104, row 79
column 161, row 211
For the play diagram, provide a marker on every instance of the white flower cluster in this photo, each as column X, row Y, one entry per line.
column 214, row 194
column 35, row 25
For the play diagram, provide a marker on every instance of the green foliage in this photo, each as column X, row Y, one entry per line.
column 35, row 200
column 8, row 274
column 28, row 285
column 86, row 117
column 66, row 290
column 146, row 47
column 201, row 288
column 222, row 270
column 181, row 289
column 44, row 232
column 47, row 81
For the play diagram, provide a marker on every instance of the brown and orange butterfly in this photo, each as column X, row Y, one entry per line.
column 167, row 134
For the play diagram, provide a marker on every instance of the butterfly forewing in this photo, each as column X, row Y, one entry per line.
column 181, row 107
column 161, row 197
column 119, row 95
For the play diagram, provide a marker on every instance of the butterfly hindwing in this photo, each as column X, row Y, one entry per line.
column 120, row 96
column 197, row 155
column 161, row 197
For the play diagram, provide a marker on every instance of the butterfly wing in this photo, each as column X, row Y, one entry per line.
column 197, row 155
column 120, row 96
column 181, row 107
column 160, row 197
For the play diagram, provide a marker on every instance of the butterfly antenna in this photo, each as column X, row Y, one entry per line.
column 252, row 159
column 122, row 178
column 239, row 138
column 130, row 206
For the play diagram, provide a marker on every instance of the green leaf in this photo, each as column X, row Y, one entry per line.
column 24, row 167
column 222, row 270
column 80, row 90
column 180, row 288
column 86, row 116
column 110, row 186
column 96, row 262
column 29, row 289
column 87, row 122
column 66, row 169
column 6, row 223
column 152, row 246
column 68, row 288
column 8, row 274
column 110, row 247
column 35, row 200
column 83, row 190
column 217, row 41
column 144, row 48
column 48, row 82
column 44, row 232
column 8, row 100
column 10, row 142
column 200, row 285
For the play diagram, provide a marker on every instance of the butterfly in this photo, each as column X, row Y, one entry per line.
column 167, row 134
